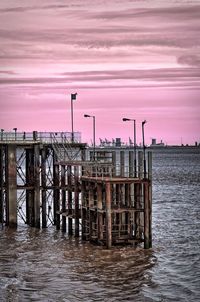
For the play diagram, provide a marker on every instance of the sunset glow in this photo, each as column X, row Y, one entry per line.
column 134, row 59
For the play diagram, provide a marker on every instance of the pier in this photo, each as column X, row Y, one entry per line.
column 54, row 179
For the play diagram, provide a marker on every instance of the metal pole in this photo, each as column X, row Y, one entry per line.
column 94, row 138
column 144, row 148
column 72, row 119
column 135, row 161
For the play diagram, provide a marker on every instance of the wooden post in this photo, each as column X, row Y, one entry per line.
column 100, row 215
column 114, row 163
column 69, row 183
column 30, row 183
column 76, row 200
column 131, row 174
column 150, row 196
column 108, row 216
column 1, row 185
column 56, row 193
column 63, row 185
column 137, row 197
column 11, row 186
column 122, row 163
column 84, row 209
column 146, row 216
column 44, row 192
column 37, row 186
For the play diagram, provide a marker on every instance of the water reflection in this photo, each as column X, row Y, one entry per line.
column 38, row 265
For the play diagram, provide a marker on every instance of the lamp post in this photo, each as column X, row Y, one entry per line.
column 73, row 97
column 94, row 147
column 143, row 142
column 15, row 129
column 135, row 144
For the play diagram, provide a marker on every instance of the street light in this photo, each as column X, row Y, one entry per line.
column 143, row 142
column 135, row 160
column 15, row 129
column 86, row 115
column 73, row 97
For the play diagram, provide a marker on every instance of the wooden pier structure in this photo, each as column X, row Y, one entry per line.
column 49, row 179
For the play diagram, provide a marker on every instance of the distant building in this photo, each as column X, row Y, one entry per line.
column 154, row 144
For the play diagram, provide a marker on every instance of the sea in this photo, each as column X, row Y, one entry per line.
column 47, row 265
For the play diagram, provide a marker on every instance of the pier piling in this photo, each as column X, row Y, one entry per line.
column 107, row 200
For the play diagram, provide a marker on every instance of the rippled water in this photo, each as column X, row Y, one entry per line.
column 45, row 265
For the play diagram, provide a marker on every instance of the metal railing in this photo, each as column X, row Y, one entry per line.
column 44, row 137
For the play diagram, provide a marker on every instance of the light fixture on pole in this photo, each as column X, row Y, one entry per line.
column 135, row 144
column 73, row 97
column 94, row 144
column 143, row 143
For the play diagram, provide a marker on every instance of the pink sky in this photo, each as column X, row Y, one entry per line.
column 134, row 59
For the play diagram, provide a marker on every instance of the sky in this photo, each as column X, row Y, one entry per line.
column 138, row 59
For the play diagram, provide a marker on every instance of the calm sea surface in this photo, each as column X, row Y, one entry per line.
column 45, row 265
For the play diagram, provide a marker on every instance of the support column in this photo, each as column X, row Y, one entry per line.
column 131, row 174
column 76, row 200
column 56, row 194
column 100, row 215
column 150, row 196
column 1, row 184
column 30, row 184
column 44, row 188
column 63, row 186
column 108, row 216
column 146, row 216
column 137, row 197
column 122, row 163
column 84, row 209
column 37, row 186
column 11, row 187
column 69, row 183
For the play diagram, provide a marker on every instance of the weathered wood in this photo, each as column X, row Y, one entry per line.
column 108, row 216
column 150, row 196
column 100, row 207
column 37, row 186
column 63, row 183
column 131, row 164
column 43, row 181
column 76, row 200
column 1, row 184
column 146, row 216
column 56, row 193
column 122, row 166
column 30, row 186
column 11, row 186
column 69, row 194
